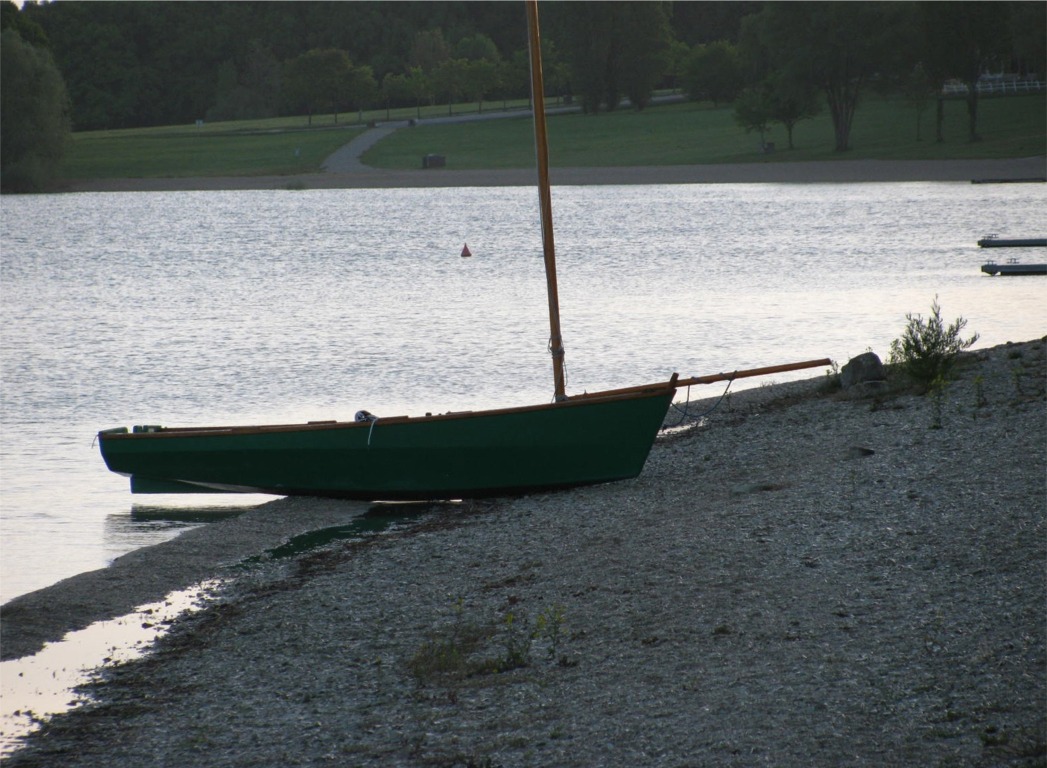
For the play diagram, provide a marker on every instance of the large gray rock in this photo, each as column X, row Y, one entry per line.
column 864, row 369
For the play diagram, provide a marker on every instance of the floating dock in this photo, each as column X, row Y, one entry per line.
column 1027, row 180
column 994, row 241
column 1014, row 267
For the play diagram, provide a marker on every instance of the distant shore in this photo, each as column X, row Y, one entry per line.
column 770, row 172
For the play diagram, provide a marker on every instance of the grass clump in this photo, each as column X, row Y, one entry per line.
column 927, row 350
column 449, row 653
column 468, row 648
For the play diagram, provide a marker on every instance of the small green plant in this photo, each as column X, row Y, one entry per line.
column 447, row 652
column 439, row 657
column 927, row 349
column 549, row 627
column 980, row 400
column 1016, row 374
column 464, row 649
column 832, row 378
column 517, row 643
column 938, row 393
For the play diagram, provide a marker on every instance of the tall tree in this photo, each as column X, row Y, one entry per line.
column 791, row 101
column 1028, row 32
column 752, row 111
column 614, row 48
column 30, row 32
column 698, row 23
column 678, row 55
column 132, row 64
column 429, row 50
column 451, row 77
column 962, row 40
column 481, row 77
column 248, row 91
column 361, row 89
column 394, row 90
column 644, row 36
column 421, row 87
column 586, row 32
column 714, row 72
column 513, row 75
column 261, row 79
column 106, row 83
column 34, row 115
column 918, row 90
column 476, row 47
column 834, row 46
column 316, row 81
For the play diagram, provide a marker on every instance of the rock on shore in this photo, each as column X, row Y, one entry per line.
column 803, row 577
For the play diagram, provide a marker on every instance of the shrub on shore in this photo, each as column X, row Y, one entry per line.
column 927, row 350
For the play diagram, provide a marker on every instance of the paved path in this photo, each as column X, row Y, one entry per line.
column 347, row 158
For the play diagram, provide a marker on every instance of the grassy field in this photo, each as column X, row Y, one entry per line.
column 675, row 134
column 276, row 146
column 193, row 152
column 691, row 133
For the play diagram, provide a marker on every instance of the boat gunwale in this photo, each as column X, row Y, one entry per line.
column 658, row 389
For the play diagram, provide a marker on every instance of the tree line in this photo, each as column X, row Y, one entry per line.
column 139, row 64
column 162, row 63
column 791, row 60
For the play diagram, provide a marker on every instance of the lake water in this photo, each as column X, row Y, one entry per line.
column 269, row 306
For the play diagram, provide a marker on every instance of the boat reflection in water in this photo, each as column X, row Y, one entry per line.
column 147, row 525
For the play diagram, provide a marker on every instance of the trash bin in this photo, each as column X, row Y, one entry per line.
column 434, row 161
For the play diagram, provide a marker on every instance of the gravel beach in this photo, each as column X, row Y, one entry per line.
column 804, row 576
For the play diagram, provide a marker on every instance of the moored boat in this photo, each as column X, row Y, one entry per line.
column 579, row 441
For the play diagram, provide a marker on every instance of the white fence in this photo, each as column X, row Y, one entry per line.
column 996, row 87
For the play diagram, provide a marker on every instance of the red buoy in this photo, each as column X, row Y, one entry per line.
column 466, row 251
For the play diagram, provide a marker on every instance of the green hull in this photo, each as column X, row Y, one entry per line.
column 584, row 440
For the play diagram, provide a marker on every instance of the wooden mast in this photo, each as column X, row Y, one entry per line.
column 541, row 146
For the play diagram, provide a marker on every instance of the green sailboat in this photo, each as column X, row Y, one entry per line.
column 571, row 441
column 453, row 456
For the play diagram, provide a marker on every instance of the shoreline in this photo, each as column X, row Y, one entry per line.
column 768, row 172
column 198, row 554
column 802, row 576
